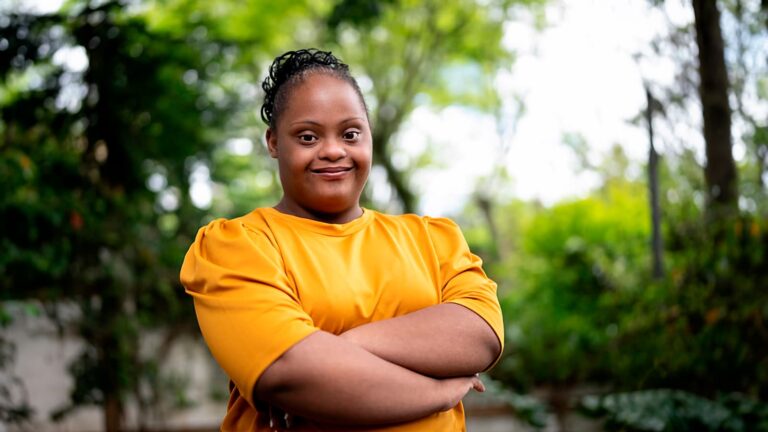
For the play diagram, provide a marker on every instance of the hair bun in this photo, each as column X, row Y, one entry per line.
column 292, row 64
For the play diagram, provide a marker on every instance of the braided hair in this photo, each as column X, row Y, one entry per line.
column 293, row 67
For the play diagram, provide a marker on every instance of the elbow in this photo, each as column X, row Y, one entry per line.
column 483, row 356
column 292, row 370
column 282, row 376
column 272, row 381
column 491, row 350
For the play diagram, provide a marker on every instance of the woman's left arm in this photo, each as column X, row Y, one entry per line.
column 445, row 340
column 461, row 335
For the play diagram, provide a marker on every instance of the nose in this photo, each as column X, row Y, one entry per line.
column 333, row 149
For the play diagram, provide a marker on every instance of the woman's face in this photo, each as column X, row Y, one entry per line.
column 322, row 143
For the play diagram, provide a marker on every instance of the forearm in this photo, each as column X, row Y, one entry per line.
column 327, row 379
column 445, row 340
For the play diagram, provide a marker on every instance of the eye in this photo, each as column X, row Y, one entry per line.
column 351, row 135
column 307, row 138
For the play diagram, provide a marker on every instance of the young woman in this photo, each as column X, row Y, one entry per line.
column 336, row 316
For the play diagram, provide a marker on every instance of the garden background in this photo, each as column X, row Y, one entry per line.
column 607, row 160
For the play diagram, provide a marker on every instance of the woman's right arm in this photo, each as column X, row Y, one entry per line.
column 327, row 379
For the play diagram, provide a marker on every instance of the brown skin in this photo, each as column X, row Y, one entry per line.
column 390, row 371
column 464, row 344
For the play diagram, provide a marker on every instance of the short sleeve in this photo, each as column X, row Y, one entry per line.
column 462, row 278
column 248, row 312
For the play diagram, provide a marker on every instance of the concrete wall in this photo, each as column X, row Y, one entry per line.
column 43, row 357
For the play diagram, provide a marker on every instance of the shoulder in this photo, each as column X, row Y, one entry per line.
column 445, row 234
column 233, row 243
column 239, row 248
column 436, row 228
column 247, row 230
column 413, row 219
column 400, row 219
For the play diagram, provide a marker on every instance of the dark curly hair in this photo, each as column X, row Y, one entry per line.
column 290, row 69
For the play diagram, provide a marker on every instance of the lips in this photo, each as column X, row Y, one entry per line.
column 332, row 171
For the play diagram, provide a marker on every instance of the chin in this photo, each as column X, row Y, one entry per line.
column 332, row 205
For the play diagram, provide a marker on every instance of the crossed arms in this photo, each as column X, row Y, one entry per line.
column 388, row 371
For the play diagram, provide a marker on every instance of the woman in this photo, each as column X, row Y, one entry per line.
column 342, row 317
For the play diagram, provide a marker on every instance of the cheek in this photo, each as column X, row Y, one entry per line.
column 291, row 161
column 285, row 167
column 365, row 157
column 368, row 161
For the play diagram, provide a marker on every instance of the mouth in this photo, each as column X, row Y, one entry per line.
column 332, row 172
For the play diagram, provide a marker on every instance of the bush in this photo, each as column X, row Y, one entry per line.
column 674, row 410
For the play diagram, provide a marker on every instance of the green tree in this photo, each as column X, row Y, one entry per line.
column 95, row 156
column 728, row 74
column 573, row 273
column 251, row 33
column 422, row 52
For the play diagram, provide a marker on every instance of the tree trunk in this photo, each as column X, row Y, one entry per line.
column 112, row 414
column 112, row 343
column 559, row 401
column 486, row 208
column 653, row 185
column 720, row 170
column 397, row 179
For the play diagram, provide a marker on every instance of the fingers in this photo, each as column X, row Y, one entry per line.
column 279, row 420
column 477, row 384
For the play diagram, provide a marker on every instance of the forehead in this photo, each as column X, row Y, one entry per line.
column 320, row 96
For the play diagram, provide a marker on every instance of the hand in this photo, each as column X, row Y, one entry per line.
column 454, row 389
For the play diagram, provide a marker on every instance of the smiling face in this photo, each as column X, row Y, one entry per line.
column 322, row 142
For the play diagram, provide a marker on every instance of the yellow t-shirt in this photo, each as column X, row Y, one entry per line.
column 264, row 281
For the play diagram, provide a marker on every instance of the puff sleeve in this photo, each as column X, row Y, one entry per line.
column 247, row 310
column 462, row 278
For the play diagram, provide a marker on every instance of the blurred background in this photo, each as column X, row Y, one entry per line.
column 607, row 159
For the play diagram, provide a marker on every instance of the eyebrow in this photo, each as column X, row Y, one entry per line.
column 313, row 122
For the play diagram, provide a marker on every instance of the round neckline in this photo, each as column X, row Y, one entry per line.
column 330, row 229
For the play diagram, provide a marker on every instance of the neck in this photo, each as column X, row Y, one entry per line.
column 340, row 217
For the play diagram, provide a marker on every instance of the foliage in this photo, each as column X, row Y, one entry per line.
column 745, row 35
column 570, row 281
column 582, row 308
column 98, row 161
column 95, row 162
column 674, row 410
column 704, row 324
column 111, row 112
column 427, row 52
column 526, row 407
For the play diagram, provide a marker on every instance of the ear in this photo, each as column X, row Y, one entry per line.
column 272, row 142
